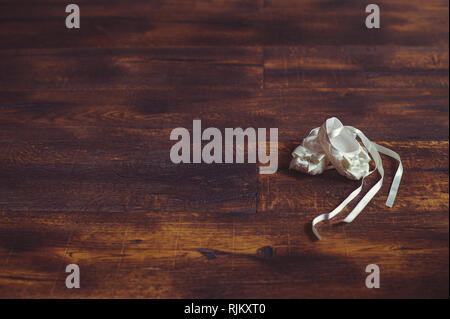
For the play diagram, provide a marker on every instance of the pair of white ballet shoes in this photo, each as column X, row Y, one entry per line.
column 332, row 145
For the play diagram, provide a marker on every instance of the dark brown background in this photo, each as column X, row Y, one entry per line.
column 85, row 173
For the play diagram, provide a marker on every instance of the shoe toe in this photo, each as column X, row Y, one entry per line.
column 343, row 150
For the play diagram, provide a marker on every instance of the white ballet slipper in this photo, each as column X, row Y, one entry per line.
column 309, row 157
column 343, row 150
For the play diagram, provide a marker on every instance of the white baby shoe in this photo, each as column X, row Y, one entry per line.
column 309, row 157
column 343, row 150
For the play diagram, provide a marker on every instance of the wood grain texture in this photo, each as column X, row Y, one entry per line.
column 85, row 173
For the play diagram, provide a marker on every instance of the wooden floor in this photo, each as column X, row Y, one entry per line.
column 85, row 172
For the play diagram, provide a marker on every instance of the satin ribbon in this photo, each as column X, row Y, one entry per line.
column 374, row 150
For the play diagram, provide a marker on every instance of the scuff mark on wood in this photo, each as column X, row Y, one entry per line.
column 266, row 252
column 209, row 254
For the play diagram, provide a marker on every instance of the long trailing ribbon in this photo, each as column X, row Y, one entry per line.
column 374, row 150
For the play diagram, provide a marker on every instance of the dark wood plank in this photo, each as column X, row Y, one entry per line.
column 221, row 23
